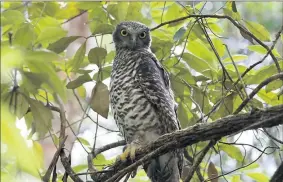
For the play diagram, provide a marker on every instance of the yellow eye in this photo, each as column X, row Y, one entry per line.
column 124, row 32
column 142, row 35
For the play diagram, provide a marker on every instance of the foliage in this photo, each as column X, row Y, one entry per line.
column 205, row 75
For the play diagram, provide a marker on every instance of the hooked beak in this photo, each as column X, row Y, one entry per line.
column 133, row 42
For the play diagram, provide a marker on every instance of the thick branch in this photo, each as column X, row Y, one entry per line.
column 199, row 132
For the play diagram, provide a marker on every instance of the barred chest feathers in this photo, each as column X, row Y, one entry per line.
column 132, row 111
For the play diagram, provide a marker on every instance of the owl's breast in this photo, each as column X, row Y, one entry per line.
column 132, row 110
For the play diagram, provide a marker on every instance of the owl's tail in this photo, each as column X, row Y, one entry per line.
column 164, row 168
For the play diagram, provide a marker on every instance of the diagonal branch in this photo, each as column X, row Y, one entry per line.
column 256, row 90
column 198, row 161
column 52, row 166
column 199, row 132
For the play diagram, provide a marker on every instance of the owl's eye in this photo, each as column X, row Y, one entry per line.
column 124, row 32
column 142, row 35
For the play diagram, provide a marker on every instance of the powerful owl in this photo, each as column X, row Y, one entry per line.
column 142, row 101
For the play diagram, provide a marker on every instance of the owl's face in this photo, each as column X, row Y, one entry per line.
column 131, row 35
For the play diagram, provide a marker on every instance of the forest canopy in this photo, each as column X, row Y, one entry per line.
column 224, row 60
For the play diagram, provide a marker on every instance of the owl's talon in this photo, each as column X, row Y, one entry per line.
column 129, row 152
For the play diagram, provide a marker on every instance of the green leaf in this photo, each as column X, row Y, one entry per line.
column 88, row 5
column 236, row 57
column 258, row 177
column 219, row 46
column 135, row 13
column 51, row 34
column 198, row 64
column 258, row 30
column 249, row 167
column 261, row 74
column 97, row 55
column 11, row 57
column 13, row 17
column 199, row 5
column 234, row 8
column 261, row 50
column 18, row 105
column 70, row 10
column 174, row 11
column 79, row 167
column 25, row 35
column 40, row 62
column 98, row 15
column 34, row 80
column 79, row 81
column 81, row 91
column 101, row 28
column 62, row 44
column 118, row 11
column 270, row 98
column 184, row 114
column 100, row 99
column 212, row 172
column 104, row 73
column 161, row 48
column 179, row 34
column 110, row 57
column 232, row 151
column 274, row 85
column 83, row 141
column 236, row 178
column 20, row 154
column 198, row 49
column 76, row 62
column 99, row 161
column 229, row 12
column 186, row 75
column 42, row 116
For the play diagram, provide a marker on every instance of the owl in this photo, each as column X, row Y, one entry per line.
column 142, row 101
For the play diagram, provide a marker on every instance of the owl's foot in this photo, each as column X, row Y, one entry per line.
column 130, row 151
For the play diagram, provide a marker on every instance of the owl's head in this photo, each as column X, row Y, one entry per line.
column 131, row 35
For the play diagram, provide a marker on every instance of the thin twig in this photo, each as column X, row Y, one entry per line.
column 84, row 11
column 256, row 90
column 198, row 161
column 272, row 137
column 109, row 146
column 267, row 54
column 210, row 179
column 52, row 165
column 232, row 21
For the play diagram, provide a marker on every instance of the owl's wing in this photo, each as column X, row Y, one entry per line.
column 155, row 83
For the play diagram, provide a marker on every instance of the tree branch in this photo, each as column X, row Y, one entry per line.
column 84, row 11
column 278, row 175
column 53, row 163
column 198, row 160
column 109, row 146
column 256, row 90
column 194, row 134
column 240, row 27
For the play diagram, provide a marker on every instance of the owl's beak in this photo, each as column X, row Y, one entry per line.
column 133, row 42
